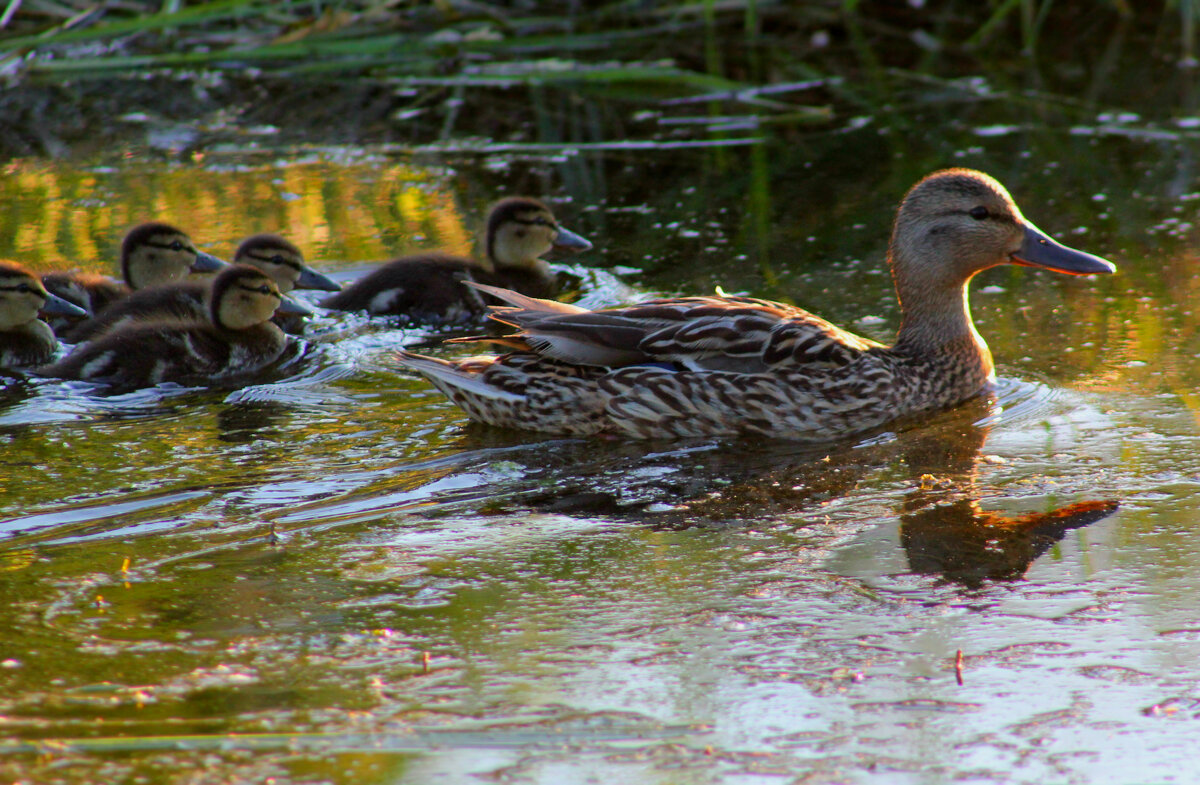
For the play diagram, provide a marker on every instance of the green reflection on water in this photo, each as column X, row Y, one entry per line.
column 59, row 215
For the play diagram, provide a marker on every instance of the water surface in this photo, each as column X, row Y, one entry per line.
column 333, row 577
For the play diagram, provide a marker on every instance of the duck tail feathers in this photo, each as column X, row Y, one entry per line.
column 464, row 375
column 524, row 302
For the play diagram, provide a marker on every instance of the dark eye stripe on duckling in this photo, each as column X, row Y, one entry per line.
column 275, row 259
column 270, row 248
column 151, row 234
column 264, row 289
column 539, row 221
column 177, row 245
column 511, row 210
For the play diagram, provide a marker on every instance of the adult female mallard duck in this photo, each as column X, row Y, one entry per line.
column 236, row 338
column 151, row 254
column 270, row 253
column 703, row 366
column 25, row 340
column 428, row 287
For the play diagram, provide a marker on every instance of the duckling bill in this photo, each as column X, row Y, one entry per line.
column 709, row 366
column 25, row 340
column 152, row 253
column 237, row 338
column 270, row 253
column 428, row 288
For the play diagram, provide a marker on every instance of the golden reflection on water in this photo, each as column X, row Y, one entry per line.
column 57, row 216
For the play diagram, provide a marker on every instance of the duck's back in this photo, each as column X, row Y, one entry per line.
column 182, row 301
column 143, row 354
column 90, row 291
column 429, row 288
column 720, row 333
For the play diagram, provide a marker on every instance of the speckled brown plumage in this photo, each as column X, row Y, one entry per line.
column 704, row 366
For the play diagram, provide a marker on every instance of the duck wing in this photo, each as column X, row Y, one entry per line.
column 144, row 354
column 724, row 333
column 422, row 288
column 181, row 301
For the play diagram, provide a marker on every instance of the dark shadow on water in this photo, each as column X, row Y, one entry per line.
column 943, row 529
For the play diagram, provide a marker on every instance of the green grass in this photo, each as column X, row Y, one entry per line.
column 681, row 61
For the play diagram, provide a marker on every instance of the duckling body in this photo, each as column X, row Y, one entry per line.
column 25, row 340
column 186, row 300
column 236, row 338
column 152, row 253
column 705, row 366
column 429, row 287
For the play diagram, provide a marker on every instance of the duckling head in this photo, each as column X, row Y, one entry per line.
column 155, row 253
column 282, row 261
column 521, row 229
column 22, row 296
column 243, row 296
column 959, row 222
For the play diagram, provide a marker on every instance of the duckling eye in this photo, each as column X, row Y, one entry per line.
column 24, row 288
column 979, row 213
column 277, row 259
column 264, row 289
column 177, row 246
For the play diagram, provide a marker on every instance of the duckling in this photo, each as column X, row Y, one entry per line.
column 152, row 253
column 715, row 366
column 25, row 340
column 428, row 287
column 275, row 256
column 282, row 261
column 236, row 338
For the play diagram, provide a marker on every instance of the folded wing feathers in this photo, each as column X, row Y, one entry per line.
column 735, row 365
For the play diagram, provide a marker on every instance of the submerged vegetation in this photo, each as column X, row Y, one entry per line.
column 551, row 73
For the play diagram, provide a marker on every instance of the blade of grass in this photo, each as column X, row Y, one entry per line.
column 190, row 16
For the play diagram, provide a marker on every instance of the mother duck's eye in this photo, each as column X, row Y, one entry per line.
column 979, row 213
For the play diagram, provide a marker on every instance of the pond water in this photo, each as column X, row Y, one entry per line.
column 333, row 577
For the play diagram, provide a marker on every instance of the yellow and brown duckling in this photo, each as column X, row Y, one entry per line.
column 705, row 366
column 270, row 253
column 236, row 338
column 151, row 254
column 25, row 340
column 429, row 287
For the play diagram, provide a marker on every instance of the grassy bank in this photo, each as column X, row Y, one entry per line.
column 546, row 73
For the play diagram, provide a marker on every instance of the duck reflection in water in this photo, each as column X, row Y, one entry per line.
column 943, row 529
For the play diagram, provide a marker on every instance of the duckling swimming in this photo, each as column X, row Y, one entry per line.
column 705, row 366
column 428, row 287
column 236, row 338
column 25, row 340
column 270, row 253
column 151, row 254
